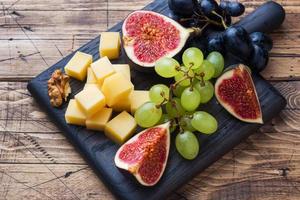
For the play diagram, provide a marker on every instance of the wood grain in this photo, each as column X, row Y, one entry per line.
column 36, row 160
column 33, row 151
column 40, row 30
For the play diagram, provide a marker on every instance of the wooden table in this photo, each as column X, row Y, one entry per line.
column 36, row 160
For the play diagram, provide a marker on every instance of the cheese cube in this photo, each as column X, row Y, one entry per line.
column 77, row 66
column 91, row 99
column 74, row 114
column 138, row 98
column 123, row 104
column 110, row 44
column 115, row 88
column 122, row 68
column 92, row 84
column 98, row 120
column 91, row 78
column 120, row 128
column 102, row 68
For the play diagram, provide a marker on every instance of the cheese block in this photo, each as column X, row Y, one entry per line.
column 138, row 98
column 123, row 104
column 120, row 128
column 92, row 84
column 102, row 68
column 123, row 68
column 98, row 120
column 77, row 66
column 74, row 114
column 115, row 88
column 91, row 78
column 91, row 99
column 110, row 45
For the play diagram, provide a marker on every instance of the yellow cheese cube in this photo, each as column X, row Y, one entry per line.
column 91, row 78
column 138, row 98
column 92, row 84
column 98, row 120
column 77, row 66
column 122, row 68
column 110, row 44
column 123, row 104
column 120, row 128
column 91, row 99
column 115, row 88
column 102, row 68
column 74, row 114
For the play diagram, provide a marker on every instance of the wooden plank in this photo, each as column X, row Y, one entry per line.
column 40, row 181
column 44, row 5
column 31, row 36
column 49, row 25
column 28, row 58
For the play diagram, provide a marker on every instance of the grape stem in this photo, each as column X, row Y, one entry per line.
column 202, row 83
column 162, row 103
column 209, row 21
column 222, row 19
column 183, row 79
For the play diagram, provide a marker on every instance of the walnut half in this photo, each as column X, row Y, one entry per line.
column 58, row 88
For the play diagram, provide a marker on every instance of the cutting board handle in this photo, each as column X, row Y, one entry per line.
column 265, row 18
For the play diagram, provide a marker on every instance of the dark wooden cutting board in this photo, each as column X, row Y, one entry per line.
column 99, row 151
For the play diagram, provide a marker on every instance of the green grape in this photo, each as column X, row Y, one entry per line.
column 190, row 99
column 207, row 69
column 165, row 118
column 206, row 90
column 158, row 93
column 174, row 108
column 217, row 60
column 178, row 90
column 187, row 145
column 204, row 122
column 192, row 57
column 166, row 67
column 147, row 115
column 185, row 123
column 181, row 75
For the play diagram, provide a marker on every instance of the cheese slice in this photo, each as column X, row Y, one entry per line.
column 120, row 128
column 115, row 88
column 102, row 68
column 110, row 45
column 77, row 66
column 74, row 114
column 124, row 69
column 98, row 120
column 91, row 99
column 138, row 98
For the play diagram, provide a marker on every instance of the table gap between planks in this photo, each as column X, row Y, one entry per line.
column 36, row 160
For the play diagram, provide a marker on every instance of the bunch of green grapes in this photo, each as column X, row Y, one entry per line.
column 179, row 103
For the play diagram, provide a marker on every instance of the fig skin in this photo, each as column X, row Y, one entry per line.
column 130, row 48
column 235, row 106
column 133, row 167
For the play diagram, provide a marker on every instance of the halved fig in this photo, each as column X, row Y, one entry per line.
column 236, row 92
column 145, row 155
column 148, row 36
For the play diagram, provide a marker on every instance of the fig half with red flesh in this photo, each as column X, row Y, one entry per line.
column 236, row 92
column 145, row 155
column 148, row 36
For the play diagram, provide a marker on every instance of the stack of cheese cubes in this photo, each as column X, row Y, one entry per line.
column 108, row 88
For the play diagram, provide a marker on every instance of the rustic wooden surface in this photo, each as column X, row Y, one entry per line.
column 36, row 160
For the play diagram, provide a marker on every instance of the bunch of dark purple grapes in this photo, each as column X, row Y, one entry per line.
column 250, row 49
column 205, row 12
